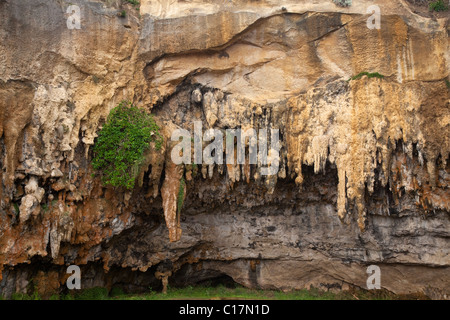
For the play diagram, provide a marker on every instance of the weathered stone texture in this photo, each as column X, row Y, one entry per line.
column 364, row 164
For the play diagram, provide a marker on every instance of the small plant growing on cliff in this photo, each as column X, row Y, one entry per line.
column 180, row 198
column 133, row 2
column 120, row 146
column 16, row 208
column 438, row 5
column 369, row 75
column 343, row 3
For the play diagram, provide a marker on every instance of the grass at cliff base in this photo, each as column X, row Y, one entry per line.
column 242, row 293
column 226, row 293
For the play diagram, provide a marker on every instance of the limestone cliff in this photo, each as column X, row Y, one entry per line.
column 364, row 163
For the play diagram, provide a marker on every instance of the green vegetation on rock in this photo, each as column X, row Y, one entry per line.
column 343, row 3
column 368, row 74
column 133, row 2
column 438, row 5
column 16, row 208
column 180, row 198
column 220, row 292
column 120, row 146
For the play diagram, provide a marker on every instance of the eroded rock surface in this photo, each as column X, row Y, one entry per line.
column 364, row 164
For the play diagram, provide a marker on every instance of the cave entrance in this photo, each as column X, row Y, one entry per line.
column 193, row 275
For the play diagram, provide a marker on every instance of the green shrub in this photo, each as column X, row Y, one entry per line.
column 343, row 3
column 133, row 2
column 24, row 296
column 120, row 146
column 369, row 75
column 19, row 296
column 180, row 198
column 438, row 5
column 96, row 293
column 116, row 292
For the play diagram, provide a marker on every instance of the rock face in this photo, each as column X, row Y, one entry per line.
column 364, row 165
